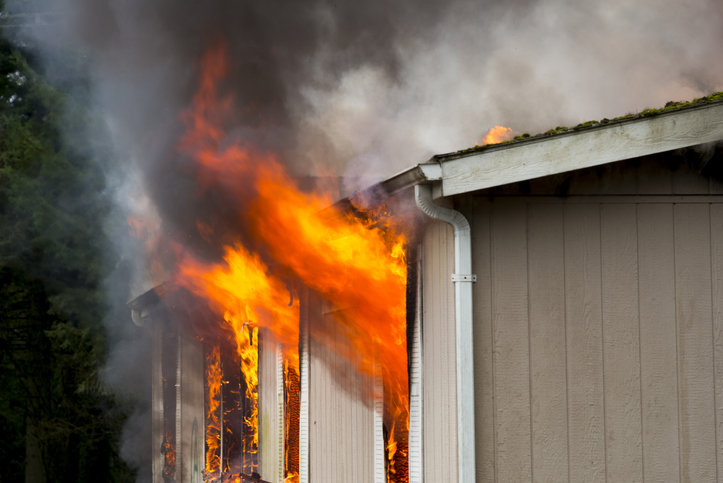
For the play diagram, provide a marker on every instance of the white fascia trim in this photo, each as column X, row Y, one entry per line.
column 504, row 164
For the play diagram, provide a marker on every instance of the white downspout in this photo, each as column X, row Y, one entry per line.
column 463, row 279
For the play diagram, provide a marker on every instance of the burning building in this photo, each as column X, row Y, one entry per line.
column 506, row 313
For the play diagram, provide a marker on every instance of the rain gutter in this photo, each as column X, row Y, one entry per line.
column 463, row 280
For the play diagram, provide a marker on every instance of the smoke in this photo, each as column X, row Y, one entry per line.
column 357, row 89
column 364, row 89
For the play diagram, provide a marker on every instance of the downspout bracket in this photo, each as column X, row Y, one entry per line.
column 456, row 277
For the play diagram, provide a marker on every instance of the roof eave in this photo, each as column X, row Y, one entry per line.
column 575, row 150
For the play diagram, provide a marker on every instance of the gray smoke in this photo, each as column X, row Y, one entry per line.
column 364, row 89
column 361, row 89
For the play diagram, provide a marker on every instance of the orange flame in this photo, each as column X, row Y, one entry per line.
column 169, row 456
column 352, row 263
column 498, row 134
column 247, row 344
column 292, row 403
column 213, row 405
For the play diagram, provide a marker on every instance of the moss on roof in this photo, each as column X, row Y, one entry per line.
column 669, row 106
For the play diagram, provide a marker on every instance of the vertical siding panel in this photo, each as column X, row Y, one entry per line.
column 269, row 422
column 716, row 218
column 583, row 305
column 193, row 415
column 317, row 395
column 483, row 376
column 658, row 342
column 621, row 345
column 547, row 342
column 341, row 446
column 439, row 406
column 511, row 342
column 695, row 347
column 157, row 416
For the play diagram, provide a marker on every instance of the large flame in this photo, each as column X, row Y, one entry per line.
column 355, row 264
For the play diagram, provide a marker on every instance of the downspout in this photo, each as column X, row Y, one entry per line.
column 462, row 279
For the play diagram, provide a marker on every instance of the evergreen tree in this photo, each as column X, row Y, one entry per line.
column 58, row 421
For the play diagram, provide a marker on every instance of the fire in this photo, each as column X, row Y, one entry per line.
column 498, row 134
column 169, row 456
column 292, row 404
column 247, row 343
column 213, row 410
column 355, row 264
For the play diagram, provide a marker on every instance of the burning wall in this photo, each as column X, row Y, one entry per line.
column 209, row 415
column 288, row 242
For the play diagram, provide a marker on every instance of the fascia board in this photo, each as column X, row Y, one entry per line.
column 578, row 150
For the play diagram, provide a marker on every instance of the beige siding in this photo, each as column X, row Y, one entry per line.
column 695, row 342
column 716, row 226
column 439, row 418
column 659, row 381
column 483, row 360
column 621, row 344
column 598, row 338
column 341, row 418
column 548, row 371
column 192, row 419
column 583, row 347
column 271, row 417
column 511, row 343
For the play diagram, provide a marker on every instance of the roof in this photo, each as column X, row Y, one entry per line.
column 669, row 107
column 559, row 150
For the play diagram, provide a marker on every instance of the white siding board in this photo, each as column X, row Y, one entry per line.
column 511, row 343
column 547, row 342
column 438, row 365
column 483, row 338
column 270, row 446
column 621, row 345
column 659, row 378
column 416, row 458
column 695, row 344
column 583, row 310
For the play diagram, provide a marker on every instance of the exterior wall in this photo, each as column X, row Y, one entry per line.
column 191, row 414
column 157, row 403
column 271, row 411
column 597, row 349
column 189, row 418
column 439, row 407
column 340, row 409
column 598, row 325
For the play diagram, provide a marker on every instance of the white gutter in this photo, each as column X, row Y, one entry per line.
column 463, row 279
